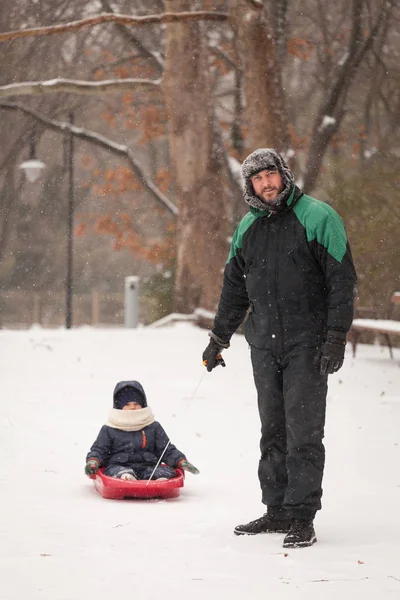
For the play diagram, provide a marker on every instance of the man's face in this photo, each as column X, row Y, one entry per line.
column 267, row 184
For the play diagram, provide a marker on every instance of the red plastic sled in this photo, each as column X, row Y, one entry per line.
column 117, row 489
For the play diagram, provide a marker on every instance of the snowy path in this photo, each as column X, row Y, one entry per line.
column 61, row 541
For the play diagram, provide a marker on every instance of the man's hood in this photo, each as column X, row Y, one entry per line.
column 270, row 159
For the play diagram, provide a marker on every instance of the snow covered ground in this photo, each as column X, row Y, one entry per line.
column 61, row 541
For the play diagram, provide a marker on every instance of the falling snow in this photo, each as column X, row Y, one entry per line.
column 62, row 541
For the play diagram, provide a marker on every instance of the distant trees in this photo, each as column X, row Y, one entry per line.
column 175, row 92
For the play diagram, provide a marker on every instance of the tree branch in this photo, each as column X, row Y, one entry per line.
column 101, row 141
column 332, row 111
column 74, row 86
column 256, row 4
column 114, row 18
column 128, row 36
column 356, row 52
column 115, row 63
column 218, row 52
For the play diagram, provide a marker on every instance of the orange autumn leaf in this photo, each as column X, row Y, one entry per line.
column 299, row 143
column 86, row 160
column 122, row 72
column 80, row 229
column 98, row 74
column 300, row 47
column 163, row 180
column 220, row 64
column 126, row 220
column 110, row 118
column 153, row 123
column 108, row 57
column 106, row 224
column 127, row 98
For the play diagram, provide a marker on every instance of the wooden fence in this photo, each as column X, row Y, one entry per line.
column 19, row 309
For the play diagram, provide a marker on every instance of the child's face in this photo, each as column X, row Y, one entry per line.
column 131, row 406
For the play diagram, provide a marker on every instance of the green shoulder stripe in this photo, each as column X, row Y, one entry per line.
column 322, row 223
column 241, row 229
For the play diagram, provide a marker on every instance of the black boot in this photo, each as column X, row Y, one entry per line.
column 275, row 520
column 301, row 534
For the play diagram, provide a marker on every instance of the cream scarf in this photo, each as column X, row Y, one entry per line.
column 130, row 420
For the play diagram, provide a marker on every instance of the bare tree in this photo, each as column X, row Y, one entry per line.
column 197, row 158
column 265, row 94
column 333, row 105
column 111, row 18
column 102, row 142
column 203, row 203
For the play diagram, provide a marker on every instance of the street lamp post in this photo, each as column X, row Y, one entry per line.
column 69, row 154
column 32, row 169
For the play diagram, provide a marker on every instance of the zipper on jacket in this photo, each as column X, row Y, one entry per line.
column 278, row 310
column 144, row 440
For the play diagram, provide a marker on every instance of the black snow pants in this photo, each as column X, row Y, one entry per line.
column 291, row 402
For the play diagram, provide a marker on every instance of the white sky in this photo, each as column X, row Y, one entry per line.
column 61, row 541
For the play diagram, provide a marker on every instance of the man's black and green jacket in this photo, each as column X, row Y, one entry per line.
column 293, row 272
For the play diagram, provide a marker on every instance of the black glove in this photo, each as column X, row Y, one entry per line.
column 332, row 354
column 212, row 354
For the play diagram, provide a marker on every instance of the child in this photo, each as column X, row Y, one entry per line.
column 131, row 443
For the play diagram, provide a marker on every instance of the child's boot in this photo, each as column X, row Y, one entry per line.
column 128, row 476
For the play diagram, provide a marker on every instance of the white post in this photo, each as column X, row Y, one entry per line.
column 131, row 301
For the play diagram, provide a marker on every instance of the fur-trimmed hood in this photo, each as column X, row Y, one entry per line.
column 270, row 159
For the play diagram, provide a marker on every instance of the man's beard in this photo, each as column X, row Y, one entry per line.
column 277, row 204
column 270, row 200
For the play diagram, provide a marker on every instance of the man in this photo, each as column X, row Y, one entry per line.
column 290, row 268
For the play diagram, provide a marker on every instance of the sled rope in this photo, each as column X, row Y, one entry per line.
column 169, row 441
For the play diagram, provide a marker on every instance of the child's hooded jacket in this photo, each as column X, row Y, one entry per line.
column 132, row 437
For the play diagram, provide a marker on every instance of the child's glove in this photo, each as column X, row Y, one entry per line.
column 187, row 466
column 92, row 466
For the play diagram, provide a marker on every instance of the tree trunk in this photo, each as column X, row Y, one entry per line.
column 198, row 164
column 265, row 113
